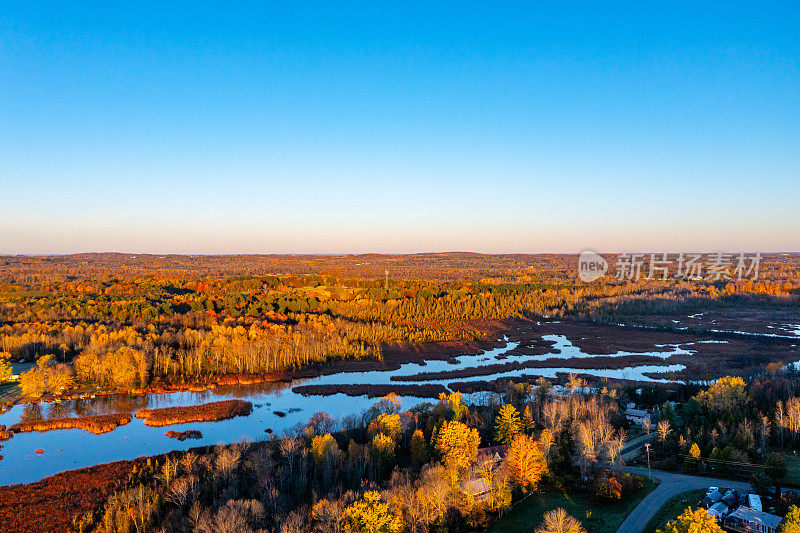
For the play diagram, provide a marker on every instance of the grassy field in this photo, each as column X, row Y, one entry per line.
column 792, row 468
column 9, row 392
column 597, row 518
column 674, row 507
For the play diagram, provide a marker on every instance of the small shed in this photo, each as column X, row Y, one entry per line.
column 711, row 499
column 754, row 502
column 718, row 510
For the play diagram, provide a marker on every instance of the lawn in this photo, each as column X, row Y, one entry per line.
column 674, row 507
column 9, row 392
column 792, row 468
column 526, row 515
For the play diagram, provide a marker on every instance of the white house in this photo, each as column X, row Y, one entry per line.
column 748, row 520
column 637, row 416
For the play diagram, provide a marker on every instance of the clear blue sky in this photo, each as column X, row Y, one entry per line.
column 516, row 128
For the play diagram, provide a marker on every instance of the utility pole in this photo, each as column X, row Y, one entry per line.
column 647, row 447
column 386, row 278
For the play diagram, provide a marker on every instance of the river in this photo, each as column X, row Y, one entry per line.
column 74, row 448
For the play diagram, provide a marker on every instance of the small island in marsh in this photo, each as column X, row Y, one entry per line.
column 207, row 412
column 96, row 424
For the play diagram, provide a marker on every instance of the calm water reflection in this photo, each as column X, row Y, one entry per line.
column 73, row 448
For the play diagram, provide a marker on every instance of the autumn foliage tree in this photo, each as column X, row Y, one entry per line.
column 322, row 446
column 458, row 444
column 124, row 368
column 383, row 447
column 693, row 521
column 526, row 462
column 388, row 424
column 451, row 406
column 507, row 424
column 5, row 367
column 419, row 449
column 791, row 523
column 371, row 515
column 694, row 451
column 46, row 377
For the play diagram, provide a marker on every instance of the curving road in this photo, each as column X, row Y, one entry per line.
column 669, row 485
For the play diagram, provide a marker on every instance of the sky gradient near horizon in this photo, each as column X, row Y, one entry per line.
column 309, row 128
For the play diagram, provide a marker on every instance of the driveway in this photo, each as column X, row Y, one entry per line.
column 669, row 485
column 631, row 449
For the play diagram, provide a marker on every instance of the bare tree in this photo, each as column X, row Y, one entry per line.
column 764, row 433
column 663, row 430
column 614, row 449
column 587, row 452
column 295, row 522
column 290, row 448
column 227, row 461
column 169, row 470
column 780, row 421
column 181, row 490
column 558, row 521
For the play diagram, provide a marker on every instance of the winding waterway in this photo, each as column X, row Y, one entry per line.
column 74, row 448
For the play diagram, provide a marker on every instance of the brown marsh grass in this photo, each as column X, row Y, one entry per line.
column 93, row 423
column 207, row 412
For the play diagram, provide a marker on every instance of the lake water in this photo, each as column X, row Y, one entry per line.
column 75, row 448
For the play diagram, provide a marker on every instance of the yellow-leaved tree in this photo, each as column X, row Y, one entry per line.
column 791, row 524
column 725, row 395
column 383, row 448
column 389, row 425
column 371, row 515
column 694, row 451
column 323, row 446
column 458, row 444
column 691, row 521
column 419, row 449
column 5, row 367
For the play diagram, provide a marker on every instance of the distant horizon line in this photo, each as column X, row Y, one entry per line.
column 357, row 254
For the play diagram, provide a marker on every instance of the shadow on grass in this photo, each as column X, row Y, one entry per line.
column 527, row 514
column 674, row 507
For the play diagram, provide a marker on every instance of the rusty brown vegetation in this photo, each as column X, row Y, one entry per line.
column 207, row 412
column 53, row 503
column 183, row 435
column 96, row 424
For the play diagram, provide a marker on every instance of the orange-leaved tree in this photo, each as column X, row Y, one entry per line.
column 526, row 462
